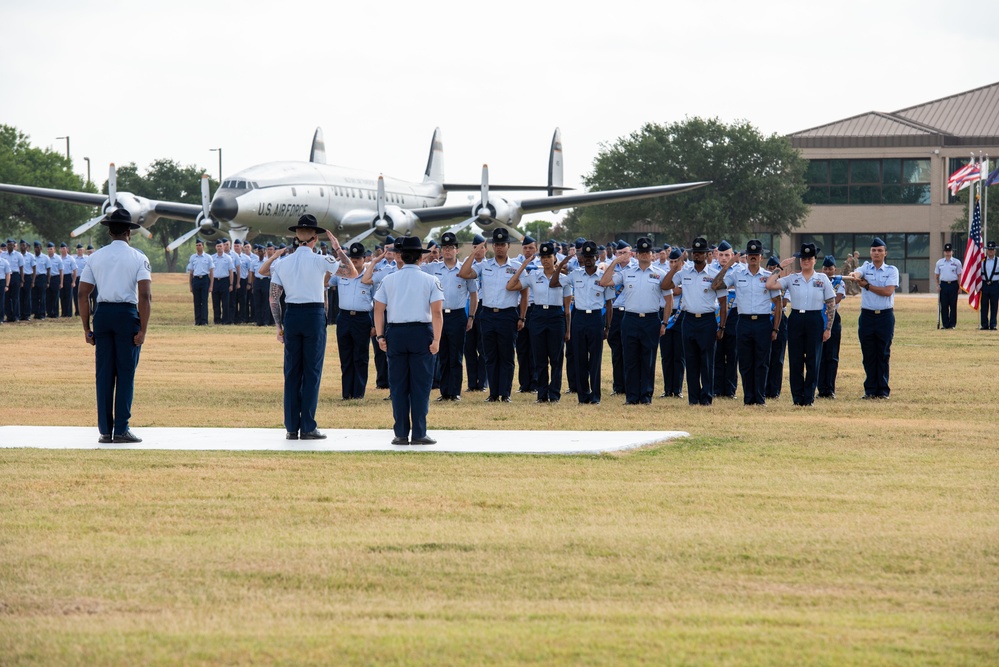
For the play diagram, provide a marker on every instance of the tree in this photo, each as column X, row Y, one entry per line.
column 757, row 182
column 539, row 230
column 165, row 180
column 23, row 164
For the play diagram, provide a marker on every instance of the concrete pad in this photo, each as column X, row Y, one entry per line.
column 340, row 440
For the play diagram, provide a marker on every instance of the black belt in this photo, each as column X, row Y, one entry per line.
column 948, row 282
column 876, row 312
column 538, row 305
column 655, row 312
column 805, row 312
column 700, row 314
column 500, row 310
column 409, row 324
column 448, row 311
column 987, row 282
column 357, row 312
column 589, row 311
column 318, row 304
column 753, row 317
column 619, row 308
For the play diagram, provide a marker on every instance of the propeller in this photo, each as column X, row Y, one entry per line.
column 206, row 201
column 380, row 224
column 482, row 212
column 112, row 200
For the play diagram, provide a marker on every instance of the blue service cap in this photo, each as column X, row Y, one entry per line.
column 676, row 253
column 270, row 244
column 63, row 245
column 431, row 244
column 724, row 245
column 527, row 240
column 601, row 247
column 579, row 242
column 218, row 242
column 389, row 240
column 238, row 242
column 622, row 244
column 79, row 246
column 38, row 243
column 829, row 261
column 90, row 247
column 478, row 238
column 712, row 247
column 773, row 261
column 877, row 243
column 50, row 245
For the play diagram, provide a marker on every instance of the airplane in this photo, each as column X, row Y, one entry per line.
column 353, row 204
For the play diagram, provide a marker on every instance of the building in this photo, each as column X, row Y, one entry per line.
column 885, row 174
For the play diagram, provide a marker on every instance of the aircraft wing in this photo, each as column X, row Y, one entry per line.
column 89, row 198
column 441, row 213
column 539, row 204
column 177, row 210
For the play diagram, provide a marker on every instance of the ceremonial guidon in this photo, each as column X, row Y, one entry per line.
column 755, row 331
column 700, row 330
column 876, row 324
column 502, row 313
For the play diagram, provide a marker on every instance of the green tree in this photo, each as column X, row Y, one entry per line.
column 757, row 181
column 164, row 180
column 537, row 229
column 23, row 164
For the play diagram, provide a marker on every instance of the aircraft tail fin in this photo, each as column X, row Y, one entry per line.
column 318, row 153
column 555, row 166
column 435, row 163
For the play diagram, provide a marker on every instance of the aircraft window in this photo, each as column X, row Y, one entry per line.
column 240, row 184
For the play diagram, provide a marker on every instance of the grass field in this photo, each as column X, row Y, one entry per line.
column 854, row 532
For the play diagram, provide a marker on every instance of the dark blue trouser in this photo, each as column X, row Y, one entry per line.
column 66, row 295
column 829, row 365
column 220, row 300
column 753, row 342
column 262, row 301
column 617, row 354
column 26, row 293
column 671, row 351
column 527, row 368
column 989, row 304
column 199, row 291
column 304, row 351
column 499, row 336
column 353, row 333
column 38, row 297
column 239, row 302
column 699, row 336
column 52, row 296
column 804, row 349
column 876, row 331
column 116, row 357
column 548, row 348
column 640, row 342
column 451, row 350
column 948, row 304
column 13, row 308
column 775, row 376
column 475, row 358
column 381, row 365
column 726, row 357
column 411, row 375
column 76, row 295
column 587, row 342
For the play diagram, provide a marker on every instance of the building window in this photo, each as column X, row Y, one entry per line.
column 868, row 182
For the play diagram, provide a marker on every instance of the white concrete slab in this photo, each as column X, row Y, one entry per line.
column 340, row 440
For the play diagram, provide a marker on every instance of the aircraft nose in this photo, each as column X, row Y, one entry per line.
column 224, row 208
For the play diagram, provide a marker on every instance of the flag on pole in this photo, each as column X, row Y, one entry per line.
column 973, row 175
column 971, row 274
column 960, row 176
column 992, row 178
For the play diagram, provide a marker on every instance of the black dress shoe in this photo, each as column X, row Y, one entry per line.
column 291, row 435
column 443, row 398
column 492, row 399
column 126, row 438
column 506, row 399
column 313, row 435
column 541, row 400
column 105, row 439
column 425, row 440
column 400, row 441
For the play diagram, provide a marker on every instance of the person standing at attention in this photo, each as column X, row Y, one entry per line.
column 122, row 278
column 413, row 302
column 876, row 325
column 302, row 279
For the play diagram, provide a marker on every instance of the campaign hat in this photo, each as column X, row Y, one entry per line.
column 501, row 235
column 449, row 239
column 356, row 249
column 307, row 221
column 700, row 244
column 807, row 250
column 589, row 248
column 754, row 247
column 119, row 216
column 546, row 250
column 410, row 244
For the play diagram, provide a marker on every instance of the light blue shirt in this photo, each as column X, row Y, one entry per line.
column 407, row 295
column 883, row 277
column 200, row 265
column 751, row 292
column 641, row 293
column 810, row 294
column 4, row 269
column 223, row 266
column 949, row 270
column 352, row 294
column 116, row 270
column 15, row 260
column 698, row 297
column 42, row 265
column 303, row 275
column 619, row 290
column 543, row 294
column 255, row 264
column 456, row 290
column 382, row 271
column 493, row 278
column 29, row 264
column 587, row 294
column 81, row 262
column 244, row 265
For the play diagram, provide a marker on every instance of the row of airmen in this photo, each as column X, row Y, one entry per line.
column 40, row 284
column 729, row 319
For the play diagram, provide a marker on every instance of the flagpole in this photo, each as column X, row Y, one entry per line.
column 984, row 187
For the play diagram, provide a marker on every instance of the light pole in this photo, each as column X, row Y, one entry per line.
column 88, row 168
column 67, row 145
column 220, row 161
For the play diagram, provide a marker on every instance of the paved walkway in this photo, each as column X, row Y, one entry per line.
column 341, row 440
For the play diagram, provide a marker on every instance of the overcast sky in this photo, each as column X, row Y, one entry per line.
column 137, row 81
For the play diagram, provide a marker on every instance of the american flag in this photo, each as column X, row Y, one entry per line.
column 971, row 274
column 964, row 177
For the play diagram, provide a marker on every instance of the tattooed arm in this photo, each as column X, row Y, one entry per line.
column 276, row 292
column 830, row 316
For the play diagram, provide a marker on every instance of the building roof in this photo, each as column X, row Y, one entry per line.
column 970, row 118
